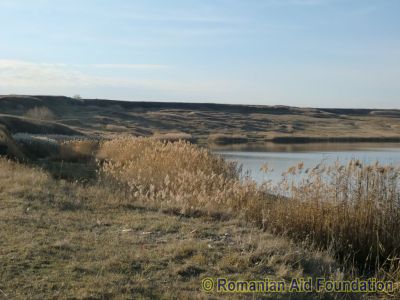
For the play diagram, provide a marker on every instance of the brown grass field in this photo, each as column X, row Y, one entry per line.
column 92, row 209
column 201, row 123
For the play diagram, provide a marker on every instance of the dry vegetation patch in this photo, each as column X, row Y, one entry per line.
column 67, row 240
column 173, row 209
column 40, row 113
column 352, row 210
column 179, row 175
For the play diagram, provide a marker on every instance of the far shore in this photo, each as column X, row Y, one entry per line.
column 309, row 140
column 200, row 123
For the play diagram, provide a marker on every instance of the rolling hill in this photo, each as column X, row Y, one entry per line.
column 201, row 122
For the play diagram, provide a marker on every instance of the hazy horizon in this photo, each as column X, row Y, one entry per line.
column 304, row 53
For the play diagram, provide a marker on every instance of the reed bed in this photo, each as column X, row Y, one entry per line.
column 179, row 175
column 353, row 210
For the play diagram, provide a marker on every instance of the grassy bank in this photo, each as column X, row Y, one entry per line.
column 158, row 216
column 68, row 240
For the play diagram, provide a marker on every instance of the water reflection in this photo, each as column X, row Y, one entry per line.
column 280, row 157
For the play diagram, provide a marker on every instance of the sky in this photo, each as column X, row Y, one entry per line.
column 308, row 53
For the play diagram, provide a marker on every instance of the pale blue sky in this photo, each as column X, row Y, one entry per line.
column 325, row 53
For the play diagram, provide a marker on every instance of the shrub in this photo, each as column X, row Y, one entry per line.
column 40, row 113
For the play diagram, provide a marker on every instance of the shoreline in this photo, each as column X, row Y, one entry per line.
column 306, row 140
column 313, row 139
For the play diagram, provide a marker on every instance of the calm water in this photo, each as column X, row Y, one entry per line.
column 280, row 157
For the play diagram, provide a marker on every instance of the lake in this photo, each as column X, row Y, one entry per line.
column 280, row 157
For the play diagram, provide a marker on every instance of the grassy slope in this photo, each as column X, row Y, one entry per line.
column 63, row 240
column 247, row 123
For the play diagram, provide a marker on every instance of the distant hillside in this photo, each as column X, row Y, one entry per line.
column 198, row 121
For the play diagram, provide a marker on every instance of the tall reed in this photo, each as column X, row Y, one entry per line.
column 352, row 209
column 179, row 174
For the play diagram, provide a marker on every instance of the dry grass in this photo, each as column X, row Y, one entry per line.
column 352, row 210
column 148, row 190
column 67, row 240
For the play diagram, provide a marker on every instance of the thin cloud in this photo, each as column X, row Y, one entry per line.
column 18, row 76
column 20, row 73
column 131, row 66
